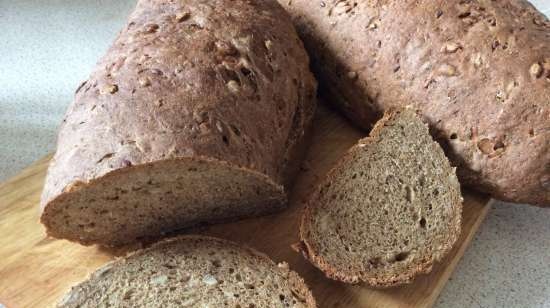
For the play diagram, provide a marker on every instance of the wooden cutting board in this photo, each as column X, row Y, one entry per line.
column 36, row 270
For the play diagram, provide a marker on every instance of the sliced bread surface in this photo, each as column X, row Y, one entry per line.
column 388, row 210
column 192, row 271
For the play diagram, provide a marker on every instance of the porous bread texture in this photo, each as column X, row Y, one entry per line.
column 192, row 271
column 478, row 71
column 149, row 200
column 191, row 117
column 388, row 210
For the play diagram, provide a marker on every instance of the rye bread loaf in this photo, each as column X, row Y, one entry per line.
column 388, row 210
column 192, row 271
column 190, row 117
column 478, row 70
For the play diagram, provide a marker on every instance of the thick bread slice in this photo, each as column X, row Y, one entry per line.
column 192, row 271
column 191, row 117
column 478, row 71
column 389, row 210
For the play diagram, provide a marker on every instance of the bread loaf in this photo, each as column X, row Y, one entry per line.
column 190, row 117
column 388, row 211
column 478, row 70
column 192, row 271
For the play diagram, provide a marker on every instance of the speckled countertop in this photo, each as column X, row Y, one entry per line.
column 48, row 47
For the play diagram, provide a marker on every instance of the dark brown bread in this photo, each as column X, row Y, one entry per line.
column 191, row 117
column 388, row 211
column 478, row 70
column 192, row 271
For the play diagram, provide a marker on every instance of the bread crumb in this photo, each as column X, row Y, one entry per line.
column 447, row 70
column 233, row 86
column 451, row 47
column 536, row 70
column 103, row 270
column 373, row 25
column 144, row 82
column 189, row 302
column 485, row 146
column 159, row 280
column 111, row 89
column 477, row 60
column 342, row 7
column 283, row 265
column 209, row 280
column 410, row 194
column 70, row 298
column 151, row 28
column 538, row 21
column 226, row 49
column 228, row 294
column 219, row 126
column 182, row 16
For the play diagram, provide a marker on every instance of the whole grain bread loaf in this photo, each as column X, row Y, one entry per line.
column 478, row 70
column 192, row 271
column 388, row 210
column 191, row 117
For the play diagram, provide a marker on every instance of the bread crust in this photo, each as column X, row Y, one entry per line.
column 310, row 252
column 223, row 82
column 479, row 72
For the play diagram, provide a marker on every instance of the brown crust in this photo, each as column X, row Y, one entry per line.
column 294, row 279
column 223, row 81
column 308, row 250
column 479, row 72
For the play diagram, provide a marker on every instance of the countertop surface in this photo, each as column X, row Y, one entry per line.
column 48, row 47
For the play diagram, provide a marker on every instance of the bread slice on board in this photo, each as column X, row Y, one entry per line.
column 191, row 117
column 478, row 71
column 388, row 210
column 192, row 271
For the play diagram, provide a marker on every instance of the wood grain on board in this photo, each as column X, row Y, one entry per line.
column 36, row 270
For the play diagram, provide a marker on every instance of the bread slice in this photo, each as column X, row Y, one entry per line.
column 389, row 209
column 192, row 117
column 192, row 271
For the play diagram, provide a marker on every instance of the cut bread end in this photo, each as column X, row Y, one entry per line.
column 149, row 200
column 388, row 211
column 192, row 271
